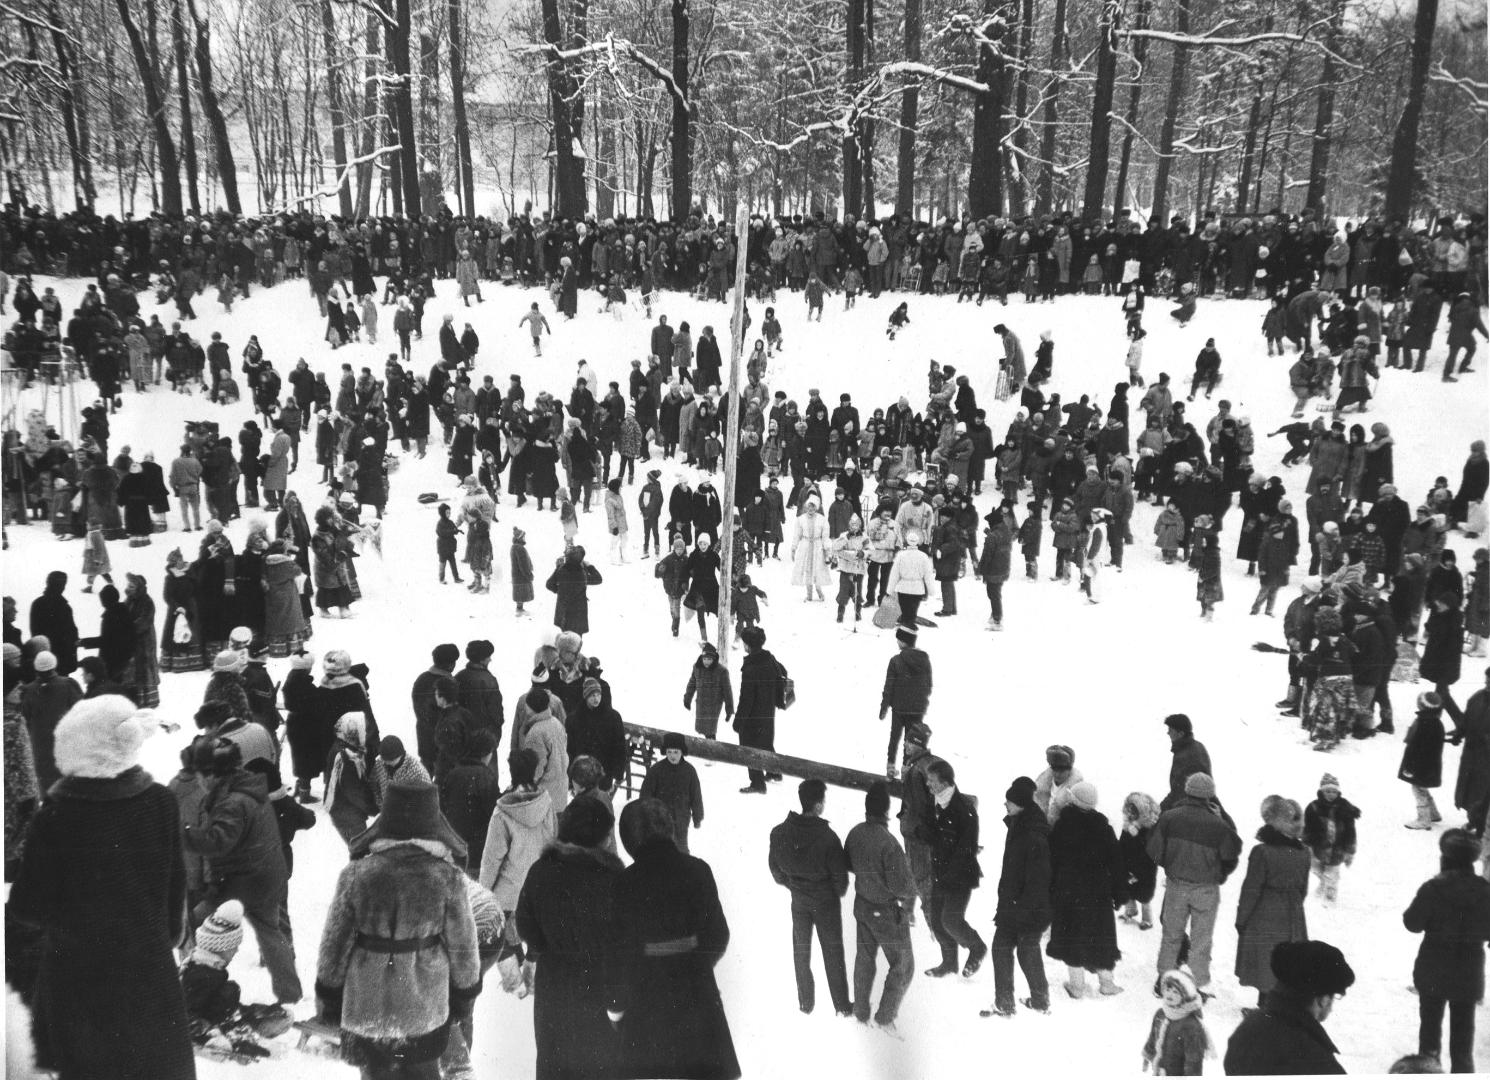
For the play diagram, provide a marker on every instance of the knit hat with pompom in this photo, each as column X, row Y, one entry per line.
column 220, row 936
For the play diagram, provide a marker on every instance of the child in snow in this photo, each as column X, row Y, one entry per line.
column 1184, row 311
column 814, row 294
column 352, row 323
column 1273, row 325
column 615, row 298
column 939, row 278
column 747, row 603
column 225, row 293
column 709, row 458
column 1422, row 758
column 1031, row 282
column 1091, row 277
column 522, row 572
column 568, row 520
column 771, row 327
column 675, row 782
column 1208, row 586
column 370, row 319
column 446, row 531
column 615, row 520
column 212, row 999
column 898, row 320
column 1031, row 533
column 995, row 282
column 1140, row 815
column 1134, row 359
column 1329, row 832
column 96, row 557
column 853, row 281
column 537, row 327
column 1178, row 1042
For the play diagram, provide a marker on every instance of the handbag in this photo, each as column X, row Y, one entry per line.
column 788, row 690
column 693, row 601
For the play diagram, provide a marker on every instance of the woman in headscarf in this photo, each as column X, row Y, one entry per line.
column 285, row 627
column 349, row 792
column 181, row 636
column 332, row 551
column 142, row 672
column 291, row 526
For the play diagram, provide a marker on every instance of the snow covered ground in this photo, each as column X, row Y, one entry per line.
column 1097, row 678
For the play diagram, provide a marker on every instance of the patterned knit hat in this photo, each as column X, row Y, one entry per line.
column 219, row 937
column 1327, row 782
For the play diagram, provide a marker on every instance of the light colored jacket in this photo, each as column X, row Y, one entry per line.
column 523, row 825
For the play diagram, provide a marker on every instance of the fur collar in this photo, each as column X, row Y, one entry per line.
column 429, row 847
column 1269, row 835
column 126, row 785
column 559, row 851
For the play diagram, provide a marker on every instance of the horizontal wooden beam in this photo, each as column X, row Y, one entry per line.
column 763, row 760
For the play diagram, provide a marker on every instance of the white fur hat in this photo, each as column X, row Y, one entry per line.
column 100, row 737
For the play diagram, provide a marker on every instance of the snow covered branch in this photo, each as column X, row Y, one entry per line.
column 37, row 21
column 1475, row 90
column 343, row 176
column 610, row 49
column 1216, row 38
column 385, row 17
column 917, row 70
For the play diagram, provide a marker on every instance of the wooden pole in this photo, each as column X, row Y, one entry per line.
column 731, row 434
column 765, row 760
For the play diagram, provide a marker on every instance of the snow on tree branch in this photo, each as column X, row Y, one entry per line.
column 1215, row 38
column 1475, row 90
column 610, row 49
column 343, row 176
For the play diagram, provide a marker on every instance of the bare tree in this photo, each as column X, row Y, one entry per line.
column 1399, row 193
column 1171, row 110
column 165, row 145
column 1101, row 142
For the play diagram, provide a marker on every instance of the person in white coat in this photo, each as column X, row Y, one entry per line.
column 1097, row 554
column 911, row 578
column 810, row 550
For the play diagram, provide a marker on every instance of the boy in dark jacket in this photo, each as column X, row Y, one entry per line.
column 446, row 531
column 1023, row 910
column 469, row 793
column 907, row 691
column 1452, row 912
column 1422, row 758
column 1031, row 532
column 954, row 872
column 672, row 571
column 1330, row 835
column 289, row 815
column 807, row 859
column 649, row 502
column 675, row 782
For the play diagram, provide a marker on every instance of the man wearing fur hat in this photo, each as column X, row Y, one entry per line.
column 1285, row 1036
column 106, row 991
column 1053, row 785
column 399, row 961
column 1198, row 847
column 426, row 712
column 1023, row 911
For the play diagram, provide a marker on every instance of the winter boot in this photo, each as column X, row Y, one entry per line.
column 840, row 612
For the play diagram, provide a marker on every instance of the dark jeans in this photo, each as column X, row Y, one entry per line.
column 650, row 538
column 1008, row 943
column 266, row 911
column 827, row 917
column 881, row 926
column 909, row 607
column 1461, row 1030
column 899, row 721
column 995, row 590
column 947, row 915
column 949, row 597
column 879, row 578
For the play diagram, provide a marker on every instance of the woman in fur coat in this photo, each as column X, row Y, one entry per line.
column 399, row 961
column 1271, row 907
column 1086, row 880
column 564, row 916
column 102, row 876
column 809, row 550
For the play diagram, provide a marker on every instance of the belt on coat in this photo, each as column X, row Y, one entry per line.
column 392, row 946
column 671, row 947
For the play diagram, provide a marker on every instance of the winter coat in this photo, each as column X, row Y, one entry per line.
column 1422, row 754
column 882, row 874
column 1452, row 912
column 993, row 564
column 1473, row 784
column 1194, row 843
column 403, row 892
column 809, row 551
column 670, row 932
column 468, row 797
column 911, row 573
column 44, row 703
column 807, row 859
column 761, row 687
column 1169, row 529
column 1024, row 882
column 908, row 682
column 570, row 583
column 522, row 826
column 1281, row 1039
column 599, row 733
column 565, row 916
column 236, row 831
column 678, row 788
column 1086, row 879
column 102, row 877
column 1270, row 909
column 1189, row 757
column 1329, row 829
column 708, row 692
column 1176, row 1047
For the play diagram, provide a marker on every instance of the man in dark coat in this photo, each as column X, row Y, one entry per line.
column 1452, row 912
column 907, row 692
column 670, row 933
column 1198, row 847
column 1190, row 757
column 807, row 859
column 1023, row 910
column 102, row 877
column 51, row 617
column 918, row 809
column 1285, row 1035
column 426, row 711
column 954, row 872
column 761, row 687
column 596, row 729
column 884, row 898
column 478, row 689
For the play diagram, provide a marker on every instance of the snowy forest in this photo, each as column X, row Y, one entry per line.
column 852, row 107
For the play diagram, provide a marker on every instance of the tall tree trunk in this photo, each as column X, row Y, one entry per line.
column 155, row 106
column 1101, row 143
column 681, row 135
column 853, row 76
column 1016, row 155
column 866, row 127
column 563, row 95
column 1258, row 74
column 338, row 112
column 910, row 103
column 74, row 113
column 1171, row 114
column 985, row 189
column 1051, row 118
column 372, row 98
column 433, row 174
column 403, row 99
column 1400, row 180
column 227, row 168
column 183, row 94
column 606, row 173
column 1324, row 115
column 458, row 104
column 1135, row 93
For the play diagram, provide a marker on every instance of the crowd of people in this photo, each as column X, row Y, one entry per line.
column 525, row 876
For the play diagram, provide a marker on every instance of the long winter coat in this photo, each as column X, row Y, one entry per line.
column 102, row 876
column 1024, row 883
column 1452, row 912
column 401, row 892
column 708, row 692
column 1422, row 756
column 1086, row 879
column 809, row 551
column 1271, row 907
column 670, row 933
column 565, row 916
column 523, row 824
column 1474, row 761
column 570, row 583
